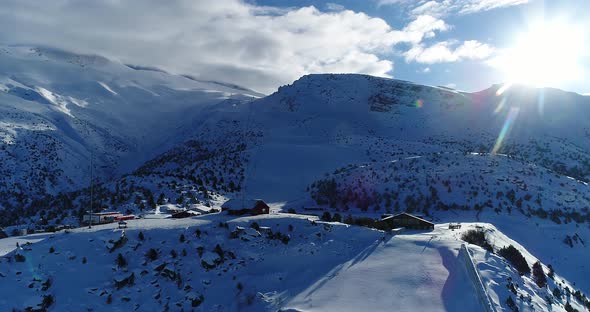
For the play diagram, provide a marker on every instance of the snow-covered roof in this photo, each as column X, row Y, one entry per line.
column 239, row 204
column 406, row 214
column 106, row 213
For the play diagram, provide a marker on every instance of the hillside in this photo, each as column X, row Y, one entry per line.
column 265, row 263
column 365, row 146
column 59, row 109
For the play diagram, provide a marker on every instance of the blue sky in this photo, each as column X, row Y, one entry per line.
column 495, row 26
column 263, row 44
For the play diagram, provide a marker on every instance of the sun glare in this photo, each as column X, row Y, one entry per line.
column 547, row 54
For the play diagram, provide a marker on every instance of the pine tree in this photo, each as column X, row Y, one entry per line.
column 569, row 308
column 514, row 256
column 551, row 273
column 510, row 303
column 556, row 293
column 539, row 275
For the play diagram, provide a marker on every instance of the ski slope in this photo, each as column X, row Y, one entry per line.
column 405, row 272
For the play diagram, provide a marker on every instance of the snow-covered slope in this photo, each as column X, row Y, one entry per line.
column 515, row 157
column 57, row 108
column 279, row 262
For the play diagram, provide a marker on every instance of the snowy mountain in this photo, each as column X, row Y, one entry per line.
column 58, row 108
column 512, row 156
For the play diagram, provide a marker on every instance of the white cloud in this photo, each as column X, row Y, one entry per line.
column 228, row 40
column 444, row 52
column 441, row 8
column 434, row 8
column 474, row 50
column 473, row 6
column 330, row 6
column 425, row 70
column 425, row 26
column 389, row 2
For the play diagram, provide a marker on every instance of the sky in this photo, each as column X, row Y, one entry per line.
column 263, row 44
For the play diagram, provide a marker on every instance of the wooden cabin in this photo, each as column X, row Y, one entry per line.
column 408, row 221
column 184, row 214
column 239, row 207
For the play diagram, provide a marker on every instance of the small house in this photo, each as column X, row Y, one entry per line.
column 184, row 214
column 408, row 221
column 201, row 209
column 454, row 226
column 239, row 207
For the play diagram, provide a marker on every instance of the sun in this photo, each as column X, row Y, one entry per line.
column 549, row 53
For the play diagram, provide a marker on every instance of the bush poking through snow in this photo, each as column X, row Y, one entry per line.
column 121, row 262
column 510, row 303
column 46, row 285
column 140, row 236
column 152, row 254
column 514, row 256
column 19, row 258
column 477, row 237
column 336, row 217
column 118, row 243
column 511, row 286
column 539, row 275
column 197, row 301
column 48, row 300
column 128, row 281
column 255, row 226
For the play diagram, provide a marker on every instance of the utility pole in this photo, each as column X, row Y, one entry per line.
column 91, row 185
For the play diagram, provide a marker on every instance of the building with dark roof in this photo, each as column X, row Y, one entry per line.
column 238, row 207
column 407, row 221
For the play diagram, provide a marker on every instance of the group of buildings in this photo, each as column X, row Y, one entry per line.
column 239, row 207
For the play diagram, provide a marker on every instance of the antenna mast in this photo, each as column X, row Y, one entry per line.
column 91, row 186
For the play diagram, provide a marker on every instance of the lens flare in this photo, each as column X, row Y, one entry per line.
column 500, row 106
column 503, row 88
column 419, row 103
column 508, row 123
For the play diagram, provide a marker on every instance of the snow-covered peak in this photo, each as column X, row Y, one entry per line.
column 57, row 108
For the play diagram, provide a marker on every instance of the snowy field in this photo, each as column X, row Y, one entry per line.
column 400, row 273
column 263, row 263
